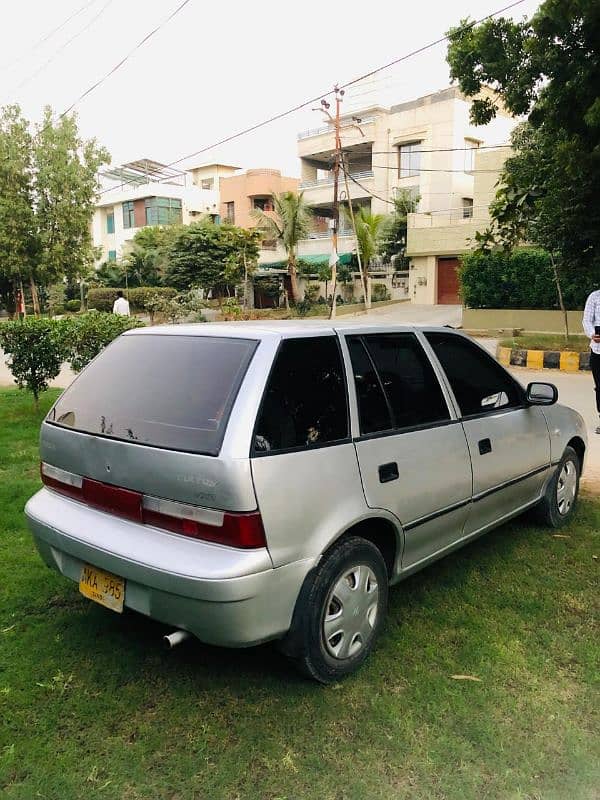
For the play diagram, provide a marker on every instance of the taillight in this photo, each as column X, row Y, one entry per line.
column 62, row 481
column 236, row 530
column 244, row 531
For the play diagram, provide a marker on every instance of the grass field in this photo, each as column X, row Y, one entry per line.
column 92, row 707
column 548, row 341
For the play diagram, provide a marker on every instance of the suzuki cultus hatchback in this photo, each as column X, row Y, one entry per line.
column 245, row 483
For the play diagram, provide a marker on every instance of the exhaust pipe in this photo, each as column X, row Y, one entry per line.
column 171, row 640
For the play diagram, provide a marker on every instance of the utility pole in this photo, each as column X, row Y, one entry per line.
column 337, row 157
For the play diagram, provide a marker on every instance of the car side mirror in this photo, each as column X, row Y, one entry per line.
column 542, row 394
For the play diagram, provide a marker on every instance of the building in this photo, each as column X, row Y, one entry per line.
column 425, row 146
column 436, row 239
column 145, row 192
column 243, row 193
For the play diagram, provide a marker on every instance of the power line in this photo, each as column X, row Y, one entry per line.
column 126, row 58
column 312, row 100
column 47, row 36
column 64, row 46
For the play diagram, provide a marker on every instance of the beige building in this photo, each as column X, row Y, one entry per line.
column 426, row 146
column 436, row 240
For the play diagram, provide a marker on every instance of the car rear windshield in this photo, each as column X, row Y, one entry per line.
column 169, row 391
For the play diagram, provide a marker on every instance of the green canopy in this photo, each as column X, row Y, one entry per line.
column 316, row 260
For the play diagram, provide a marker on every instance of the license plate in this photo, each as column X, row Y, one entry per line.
column 102, row 587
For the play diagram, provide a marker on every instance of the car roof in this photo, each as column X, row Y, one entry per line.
column 264, row 329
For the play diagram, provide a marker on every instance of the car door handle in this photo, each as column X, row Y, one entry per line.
column 485, row 446
column 388, row 472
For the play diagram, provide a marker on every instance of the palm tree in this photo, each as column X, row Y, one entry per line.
column 289, row 222
column 367, row 234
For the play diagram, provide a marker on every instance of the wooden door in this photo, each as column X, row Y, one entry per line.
column 447, row 281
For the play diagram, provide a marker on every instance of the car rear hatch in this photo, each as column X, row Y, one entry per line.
column 139, row 434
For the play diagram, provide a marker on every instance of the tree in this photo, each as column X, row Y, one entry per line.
column 368, row 227
column 19, row 246
column 547, row 67
column 210, row 256
column 66, row 183
column 394, row 228
column 36, row 351
column 148, row 257
column 289, row 223
column 87, row 334
column 48, row 185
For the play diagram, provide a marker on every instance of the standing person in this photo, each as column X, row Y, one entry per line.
column 121, row 305
column 591, row 325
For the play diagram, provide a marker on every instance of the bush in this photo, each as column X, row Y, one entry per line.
column 102, row 298
column 35, row 347
column 72, row 305
column 523, row 278
column 380, row 292
column 87, row 334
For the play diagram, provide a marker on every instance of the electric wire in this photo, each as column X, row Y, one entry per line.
column 299, row 106
column 47, row 36
column 126, row 58
column 64, row 46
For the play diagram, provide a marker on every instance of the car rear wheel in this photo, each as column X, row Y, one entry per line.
column 340, row 611
column 560, row 498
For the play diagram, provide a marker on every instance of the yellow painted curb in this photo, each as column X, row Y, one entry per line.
column 569, row 361
column 504, row 356
column 535, row 359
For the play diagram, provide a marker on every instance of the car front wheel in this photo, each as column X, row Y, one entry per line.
column 340, row 611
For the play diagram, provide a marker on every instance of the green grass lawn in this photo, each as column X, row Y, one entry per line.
column 548, row 341
column 91, row 706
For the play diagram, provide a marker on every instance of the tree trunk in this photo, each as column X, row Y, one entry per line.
column 293, row 279
column 35, row 300
column 560, row 296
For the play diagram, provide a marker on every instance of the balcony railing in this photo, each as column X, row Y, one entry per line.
column 328, row 128
column 328, row 234
column 367, row 173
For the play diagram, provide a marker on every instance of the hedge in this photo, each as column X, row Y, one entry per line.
column 102, row 299
column 523, row 278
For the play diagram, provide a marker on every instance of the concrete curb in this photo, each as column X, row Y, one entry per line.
column 565, row 360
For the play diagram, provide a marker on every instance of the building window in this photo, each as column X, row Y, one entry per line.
column 230, row 212
column 128, row 214
column 162, row 211
column 467, row 210
column 112, row 255
column 110, row 222
column 262, row 203
column 207, row 183
column 410, row 159
column 470, row 147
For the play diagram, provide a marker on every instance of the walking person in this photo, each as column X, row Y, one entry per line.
column 591, row 325
column 121, row 305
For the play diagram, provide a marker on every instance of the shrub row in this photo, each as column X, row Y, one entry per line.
column 102, row 299
column 523, row 278
column 37, row 347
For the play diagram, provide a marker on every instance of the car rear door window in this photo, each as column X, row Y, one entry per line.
column 305, row 403
column 373, row 408
column 480, row 385
column 169, row 391
column 411, row 389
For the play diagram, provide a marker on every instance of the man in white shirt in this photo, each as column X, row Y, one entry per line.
column 121, row 305
column 591, row 325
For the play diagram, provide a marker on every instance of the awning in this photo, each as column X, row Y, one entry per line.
column 322, row 259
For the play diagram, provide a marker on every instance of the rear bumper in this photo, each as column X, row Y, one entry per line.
column 222, row 595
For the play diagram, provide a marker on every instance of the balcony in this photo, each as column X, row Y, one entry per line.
column 368, row 173
column 327, row 129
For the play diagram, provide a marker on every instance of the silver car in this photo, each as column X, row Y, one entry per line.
column 243, row 483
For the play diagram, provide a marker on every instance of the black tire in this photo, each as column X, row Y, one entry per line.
column 548, row 511
column 352, row 559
